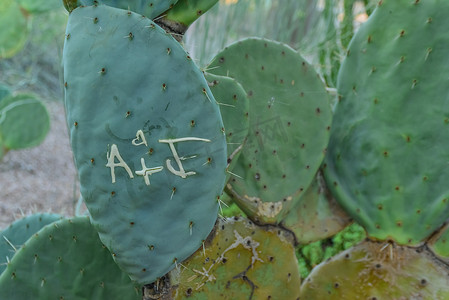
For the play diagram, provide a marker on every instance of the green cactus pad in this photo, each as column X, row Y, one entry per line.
column 13, row 237
column 387, row 156
column 39, row 6
column 147, row 137
column 378, row 271
column 65, row 260
column 317, row 215
column 234, row 107
column 241, row 261
column 187, row 11
column 24, row 121
column 290, row 119
column 439, row 244
column 5, row 91
column 149, row 8
column 14, row 28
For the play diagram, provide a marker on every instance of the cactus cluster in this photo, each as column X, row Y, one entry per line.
column 155, row 149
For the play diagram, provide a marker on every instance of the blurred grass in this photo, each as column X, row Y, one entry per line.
column 319, row 29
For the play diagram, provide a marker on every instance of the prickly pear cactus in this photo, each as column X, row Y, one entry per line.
column 147, row 137
column 241, row 261
column 24, row 121
column 234, row 106
column 186, row 12
column 317, row 215
column 373, row 270
column 386, row 161
column 13, row 237
column 149, row 8
column 290, row 120
column 65, row 260
column 14, row 28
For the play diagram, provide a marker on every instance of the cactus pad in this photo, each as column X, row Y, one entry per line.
column 13, row 237
column 147, row 137
column 290, row 120
column 373, row 270
column 149, row 8
column 439, row 244
column 187, row 11
column 387, row 156
column 234, row 106
column 24, row 121
column 65, row 260
column 14, row 28
column 241, row 261
column 317, row 215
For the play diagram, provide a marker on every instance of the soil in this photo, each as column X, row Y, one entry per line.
column 40, row 179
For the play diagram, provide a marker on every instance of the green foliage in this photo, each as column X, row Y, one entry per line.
column 65, row 260
column 315, row 253
column 289, row 117
column 13, row 237
column 153, row 176
column 390, row 125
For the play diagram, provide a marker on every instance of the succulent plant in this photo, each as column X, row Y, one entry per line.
column 66, row 260
column 150, row 147
column 290, row 119
column 17, row 233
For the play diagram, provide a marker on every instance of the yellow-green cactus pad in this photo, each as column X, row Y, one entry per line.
column 378, row 271
column 241, row 261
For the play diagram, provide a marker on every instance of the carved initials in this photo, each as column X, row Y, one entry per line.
column 181, row 173
column 111, row 156
column 147, row 171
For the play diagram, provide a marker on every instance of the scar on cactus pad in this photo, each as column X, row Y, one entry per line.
column 153, row 178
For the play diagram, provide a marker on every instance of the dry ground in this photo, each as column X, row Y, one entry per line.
column 42, row 178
